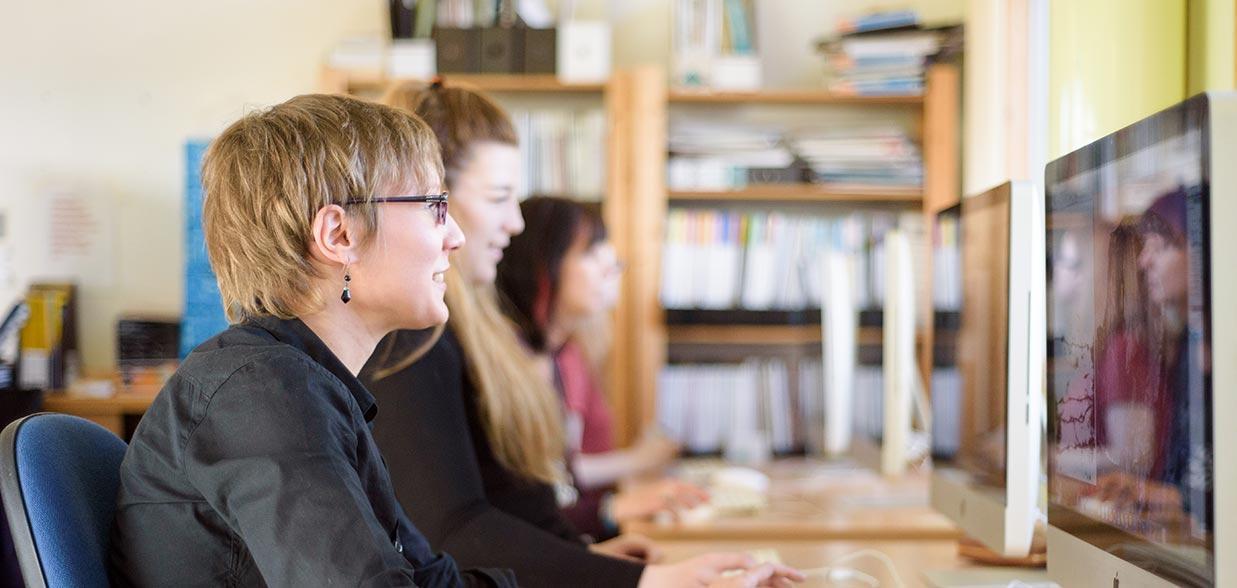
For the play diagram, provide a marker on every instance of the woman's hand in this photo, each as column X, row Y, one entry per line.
column 643, row 502
column 654, row 451
column 764, row 575
column 629, row 546
column 710, row 571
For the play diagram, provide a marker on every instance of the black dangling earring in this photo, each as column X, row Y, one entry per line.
column 347, row 295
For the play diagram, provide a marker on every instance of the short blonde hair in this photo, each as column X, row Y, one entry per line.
column 269, row 173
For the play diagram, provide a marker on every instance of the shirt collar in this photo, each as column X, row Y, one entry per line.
column 297, row 334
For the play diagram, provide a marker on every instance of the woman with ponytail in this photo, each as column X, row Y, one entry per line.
column 470, row 427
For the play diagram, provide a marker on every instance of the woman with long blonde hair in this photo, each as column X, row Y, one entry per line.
column 471, row 430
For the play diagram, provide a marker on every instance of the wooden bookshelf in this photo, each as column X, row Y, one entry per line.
column 646, row 336
column 374, row 83
column 789, row 96
column 815, row 193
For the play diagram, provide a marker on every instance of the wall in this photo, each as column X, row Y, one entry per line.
column 1112, row 62
column 98, row 99
column 1210, row 51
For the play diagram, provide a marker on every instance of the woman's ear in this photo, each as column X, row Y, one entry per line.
column 335, row 236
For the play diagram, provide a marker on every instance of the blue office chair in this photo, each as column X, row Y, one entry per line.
column 58, row 478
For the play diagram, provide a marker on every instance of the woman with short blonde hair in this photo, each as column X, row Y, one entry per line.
column 326, row 223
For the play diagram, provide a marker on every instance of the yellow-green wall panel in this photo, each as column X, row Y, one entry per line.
column 1111, row 62
column 1210, row 33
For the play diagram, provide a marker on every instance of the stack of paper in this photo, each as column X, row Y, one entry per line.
column 860, row 156
column 711, row 156
column 883, row 53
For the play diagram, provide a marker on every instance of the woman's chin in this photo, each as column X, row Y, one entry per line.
column 425, row 320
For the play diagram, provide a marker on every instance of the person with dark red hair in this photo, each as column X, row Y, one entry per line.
column 558, row 279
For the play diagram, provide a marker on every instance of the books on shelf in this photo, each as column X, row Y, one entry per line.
column 563, row 152
column 726, row 259
column 878, row 21
column 48, row 339
column 712, row 157
column 708, row 156
column 946, row 264
column 946, row 398
column 706, row 407
column 870, row 155
column 708, row 37
column 885, row 53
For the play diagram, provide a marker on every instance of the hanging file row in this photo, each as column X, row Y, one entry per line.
column 720, row 260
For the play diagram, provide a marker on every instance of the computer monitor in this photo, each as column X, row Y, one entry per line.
column 890, row 405
column 989, row 486
column 1142, row 456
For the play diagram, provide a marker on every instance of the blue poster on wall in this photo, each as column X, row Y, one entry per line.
column 203, row 317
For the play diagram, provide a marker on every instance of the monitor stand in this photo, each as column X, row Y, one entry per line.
column 997, row 570
column 990, row 578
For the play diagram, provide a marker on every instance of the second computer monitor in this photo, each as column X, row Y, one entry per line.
column 1142, row 370
column 989, row 486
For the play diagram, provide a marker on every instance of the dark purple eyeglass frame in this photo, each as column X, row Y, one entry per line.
column 439, row 201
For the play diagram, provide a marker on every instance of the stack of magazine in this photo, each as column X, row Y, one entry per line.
column 885, row 53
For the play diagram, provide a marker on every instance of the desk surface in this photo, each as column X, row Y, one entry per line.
column 910, row 558
column 110, row 412
column 94, row 405
column 810, row 500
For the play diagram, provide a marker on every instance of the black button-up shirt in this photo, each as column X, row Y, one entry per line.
column 256, row 466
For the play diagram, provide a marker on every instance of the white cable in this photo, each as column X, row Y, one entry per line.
column 838, row 575
column 830, row 572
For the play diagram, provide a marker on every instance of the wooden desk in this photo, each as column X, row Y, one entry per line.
column 109, row 412
column 910, row 558
column 811, row 501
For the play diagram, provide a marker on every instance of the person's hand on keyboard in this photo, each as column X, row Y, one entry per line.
column 630, row 546
column 643, row 503
column 720, row 570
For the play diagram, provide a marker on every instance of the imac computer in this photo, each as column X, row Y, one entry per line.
column 890, row 411
column 990, row 484
column 1141, row 232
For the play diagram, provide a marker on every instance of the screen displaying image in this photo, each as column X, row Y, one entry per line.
column 981, row 358
column 1129, row 392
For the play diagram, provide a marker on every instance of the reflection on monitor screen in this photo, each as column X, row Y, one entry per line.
column 1128, row 369
column 989, row 484
column 983, row 338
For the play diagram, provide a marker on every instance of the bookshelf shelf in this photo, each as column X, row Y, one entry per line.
column 758, row 335
column 744, row 334
column 803, row 193
column 514, row 83
column 789, row 96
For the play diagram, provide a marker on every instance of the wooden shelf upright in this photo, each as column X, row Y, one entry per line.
column 644, row 215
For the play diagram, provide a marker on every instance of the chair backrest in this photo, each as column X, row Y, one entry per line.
column 58, row 478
